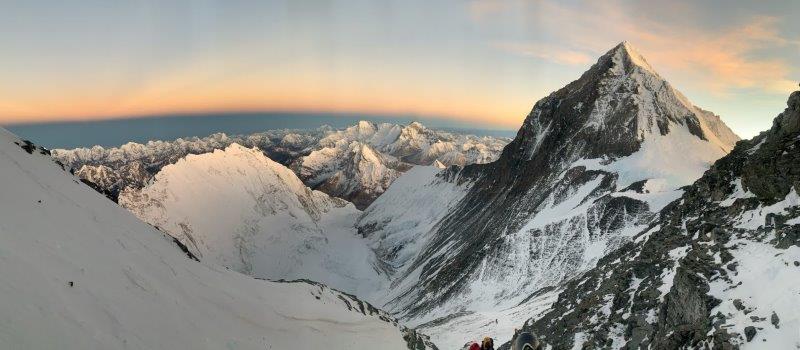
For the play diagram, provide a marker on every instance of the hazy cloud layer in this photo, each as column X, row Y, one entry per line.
column 748, row 53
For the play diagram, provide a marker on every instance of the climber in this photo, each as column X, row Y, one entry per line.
column 487, row 344
column 474, row 346
column 525, row 341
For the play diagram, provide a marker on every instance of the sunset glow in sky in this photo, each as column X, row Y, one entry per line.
column 484, row 62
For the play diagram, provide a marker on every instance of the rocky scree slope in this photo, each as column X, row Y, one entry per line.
column 719, row 269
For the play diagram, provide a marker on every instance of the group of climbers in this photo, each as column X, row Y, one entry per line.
column 486, row 344
column 520, row 341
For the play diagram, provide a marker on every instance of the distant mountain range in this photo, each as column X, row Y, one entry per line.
column 357, row 163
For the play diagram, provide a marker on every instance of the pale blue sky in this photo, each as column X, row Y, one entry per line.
column 480, row 61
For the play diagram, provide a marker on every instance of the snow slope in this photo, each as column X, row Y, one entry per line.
column 396, row 223
column 238, row 208
column 79, row 272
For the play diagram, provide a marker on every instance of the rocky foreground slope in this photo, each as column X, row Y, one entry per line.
column 79, row 272
column 719, row 269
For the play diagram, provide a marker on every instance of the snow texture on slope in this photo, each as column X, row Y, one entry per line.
column 238, row 208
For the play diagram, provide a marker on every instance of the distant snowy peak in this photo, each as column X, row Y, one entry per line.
column 376, row 135
column 360, row 162
column 238, row 208
column 350, row 170
column 416, row 144
column 100, row 175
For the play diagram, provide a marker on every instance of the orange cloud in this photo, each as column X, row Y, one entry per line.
column 550, row 53
column 480, row 9
column 720, row 60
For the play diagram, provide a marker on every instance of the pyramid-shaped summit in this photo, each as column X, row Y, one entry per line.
column 630, row 57
column 592, row 164
column 613, row 107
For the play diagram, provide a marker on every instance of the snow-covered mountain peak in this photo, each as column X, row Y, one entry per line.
column 611, row 110
column 238, row 208
column 239, row 159
column 628, row 57
column 592, row 165
column 226, row 175
column 365, row 126
column 656, row 102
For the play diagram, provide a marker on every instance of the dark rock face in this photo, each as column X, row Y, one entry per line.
column 605, row 114
column 655, row 292
column 750, row 332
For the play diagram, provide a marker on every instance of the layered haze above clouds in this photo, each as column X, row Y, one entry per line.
column 484, row 62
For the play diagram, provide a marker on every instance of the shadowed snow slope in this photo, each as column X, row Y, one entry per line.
column 238, row 208
column 591, row 166
column 79, row 272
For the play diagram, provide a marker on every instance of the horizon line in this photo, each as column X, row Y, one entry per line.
column 266, row 112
